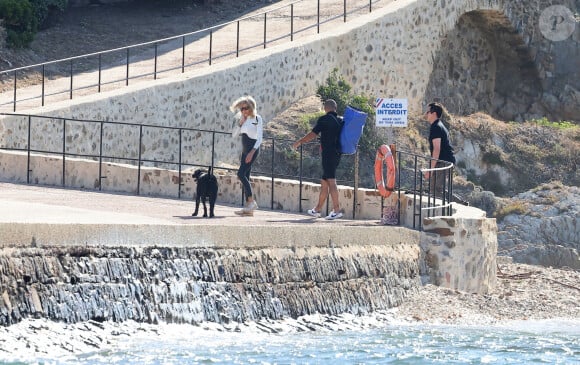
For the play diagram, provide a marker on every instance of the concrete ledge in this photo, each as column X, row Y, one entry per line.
column 271, row 235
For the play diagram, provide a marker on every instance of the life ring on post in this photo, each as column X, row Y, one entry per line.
column 385, row 157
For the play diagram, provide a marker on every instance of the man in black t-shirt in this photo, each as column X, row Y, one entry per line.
column 439, row 146
column 328, row 127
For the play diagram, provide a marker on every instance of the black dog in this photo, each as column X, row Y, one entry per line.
column 207, row 187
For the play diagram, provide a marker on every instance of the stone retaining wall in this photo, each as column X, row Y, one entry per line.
column 193, row 274
column 199, row 284
column 459, row 252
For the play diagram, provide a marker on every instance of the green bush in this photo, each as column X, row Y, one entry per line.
column 44, row 9
column 19, row 20
column 338, row 89
column 307, row 121
column 494, row 156
column 22, row 18
column 517, row 207
column 562, row 124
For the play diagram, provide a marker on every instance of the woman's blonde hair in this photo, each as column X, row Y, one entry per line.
column 244, row 100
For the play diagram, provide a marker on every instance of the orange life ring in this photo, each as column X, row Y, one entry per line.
column 385, row 157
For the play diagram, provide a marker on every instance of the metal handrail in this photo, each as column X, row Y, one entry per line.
column 140, row 160
column 156, row 71
column 408, row 177
column 426, row 199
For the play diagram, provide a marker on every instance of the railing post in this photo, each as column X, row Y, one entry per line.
column 265, row 30
column 28, row 148
column 355, row 187
column 100, row 71
column 450, row 208
column 101, row 177
column 318, row 18
column 212, row 149
column 183, row 54
column 42, row 95
column 272, row 173
column 139, row 167
column 370, row 6
column 71, row 80
column 398, row 186
column 344, row 2
column 180, row 184
column 300, row 180
column 210, row 44
column 155, row 64
column 63, row 152
column 127, row 72
column 421, row 201
column 416, row 188
column 238, row 40
column 14, row 99
column 443, row 197
column 291, row 22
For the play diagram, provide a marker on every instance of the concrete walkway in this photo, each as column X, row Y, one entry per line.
column 36, row 215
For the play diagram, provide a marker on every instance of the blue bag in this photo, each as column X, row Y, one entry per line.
column 352, row 129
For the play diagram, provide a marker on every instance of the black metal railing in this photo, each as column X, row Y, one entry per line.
column 429, row 199
column 114, row 68
column 125, row 143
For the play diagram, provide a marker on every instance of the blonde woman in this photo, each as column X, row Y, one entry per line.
column 251, row 130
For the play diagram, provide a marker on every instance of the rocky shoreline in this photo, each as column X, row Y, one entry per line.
column 524, row 293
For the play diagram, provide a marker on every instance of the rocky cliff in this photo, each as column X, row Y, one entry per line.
column 542, row 226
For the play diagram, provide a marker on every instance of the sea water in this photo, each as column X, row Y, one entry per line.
column 527, row 342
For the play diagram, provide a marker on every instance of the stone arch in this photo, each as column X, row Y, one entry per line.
column 483, row 64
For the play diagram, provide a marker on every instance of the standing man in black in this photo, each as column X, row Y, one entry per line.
column 328, row 126
column 439, row 146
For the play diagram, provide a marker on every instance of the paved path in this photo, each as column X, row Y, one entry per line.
column 32, row 216
column 170, row 54
column 39, row 204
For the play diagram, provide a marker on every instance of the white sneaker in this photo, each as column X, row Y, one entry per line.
column 245, row 212
column 333, row 215
column 313, row 213
column 252, row 206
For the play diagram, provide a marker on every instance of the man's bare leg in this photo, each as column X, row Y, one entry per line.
column 333, row 189
column 323, row 195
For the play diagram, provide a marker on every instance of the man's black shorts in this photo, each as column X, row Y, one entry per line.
column 330, row 161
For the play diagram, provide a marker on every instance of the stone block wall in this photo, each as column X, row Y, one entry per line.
column 191, row 284
column 459, row 252
column 499, row 59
